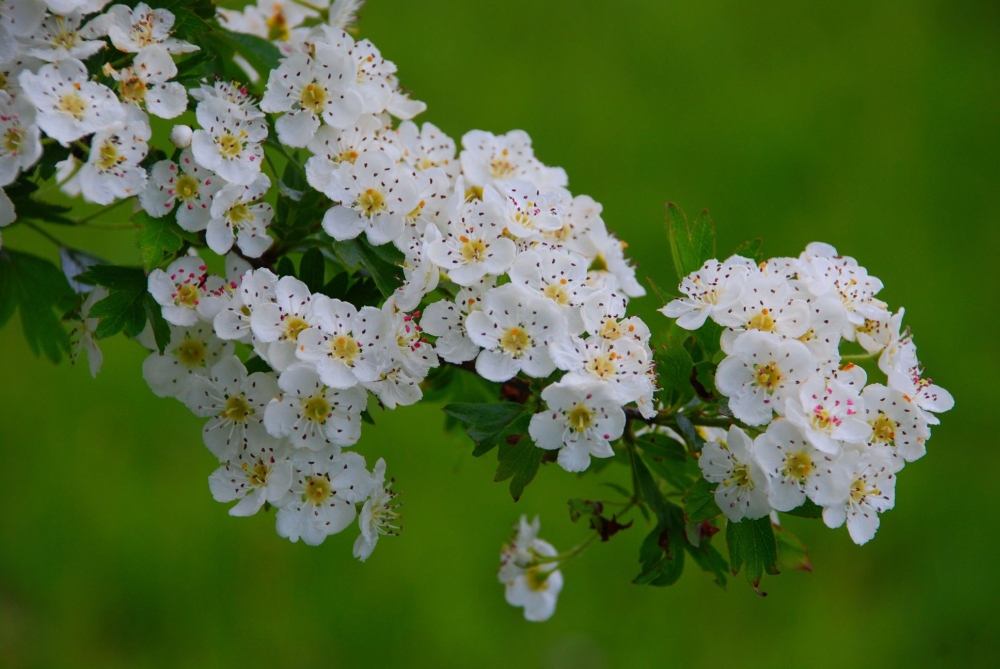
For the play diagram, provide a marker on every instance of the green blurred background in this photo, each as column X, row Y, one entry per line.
column 871, row 125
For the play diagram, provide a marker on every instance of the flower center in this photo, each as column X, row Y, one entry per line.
column 317, row 490
column 371, row 202
column 133, row 89
column 556, row 292
column 295, row 325
column 741, row 477
column 277, row 25
column 12, row 140
column 348, row 155
column 761, row 321
column 237, row 409
column 239, row 214
column 602, row 366
column 187, row 295
column 316, row 408
column 823, row 420
column 345, row 348
column 536, row 579
column 580, row 418
column 797, row 466
column 67, row 39
column 191, row 352
column 515, row 341
column 611, row 329
column 230, row 145
column 859, row 491
column 257, row 475
column 313, row 98
column 108, row 156
column 72, row 104
column 768, row 376
column 473, row 250
column 501, row 168
column 883, row 429
column 186, row 187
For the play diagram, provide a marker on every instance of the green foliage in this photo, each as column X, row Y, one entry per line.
column 262, row 55
column 752, row 548
column 381, row 263
column 691, row 244
column 675, row 368
column 593, row 512
column 753, row 249
column 792, row 553
column 128, row 305
column 669, row 460
column 39, row 291
column 661, row 556
column 809, row 509
column 29, row 208
column 312, row 269
column 158, row 239
column 519, row 461
column 699, row 502
column 709, row 559
column 490, row 423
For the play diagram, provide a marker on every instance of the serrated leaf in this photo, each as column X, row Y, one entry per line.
column 312, row 269
column 125, row 308
column 650, row 491
column 675, row 366
column 157, row 239
column 74, row 263
column 379, row 262
column 662, row 557
column 28, row 208
column 809, row 509
column 710, row 560
column 690, row 434
column 38, row 290
column 519, row 461
column 158, row 324
column 489, row 423
column 260, row 53
column 792, row 553
column 691, row 243
column 699, row 502
column 752, row 549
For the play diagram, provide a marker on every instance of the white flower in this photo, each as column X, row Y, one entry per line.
column 823, row 273
column 527, row 211
column 112, row 170
column 427, row 147
column 710, row 291
column 380, row 514
column 373, row 76
column 310, row 90
column 392, row 385
column 69, row 104
column 269, row 19
column 446, row 321
column 344, row 342
column 229, row 141
column 611, row 261
column 344, row 13
column 406, row 341
column 84, row 337
column 621, row 364
column 235, row 215
column 897, row 424
column 314, row 416
column 70, row 6
column 58, row 38
column 235, row 98
column 872, row 491
column 181, row 288
column 797, row 469
column 515, row 328
column 180, row 136
column 234, row 318
column 191, row 352
column 905, row 374
column 18, row 18
column 132, row 30
column 20, row 147
column 558, row 275
column 761, row 373
column 491, row 160
column 280, row 320
column 767, row 304
column 743, row 489
column 322, row 497
column 146, row 82
column 830, row 412
column 420, row 275
column 530, row 583
column 581, row 421
column 375, row 197
column 333, row 146
column 474, row 245
column 253, row 476
column 184, row 186
column 234, row 402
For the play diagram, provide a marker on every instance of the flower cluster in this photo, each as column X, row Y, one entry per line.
column 529, row 570
column 828, row 435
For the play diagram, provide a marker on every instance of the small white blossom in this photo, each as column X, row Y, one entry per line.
column 181, row 288
column 132, row 30
column 112, row 170
column 744, row 489
column 69, row 104
column 253, row 476
column 710, row 291
column 380, row 514
column 192, row 352
column 146, row 82
column 581, row 421
column 474, row 245
column 238, row 214
column 20, row 147
column 229, row 141
column 797, row 469
column 530, row 583
column 446, row 321
column 344, row 343
column 58, row 38
column 872, row 491
column 183, row 186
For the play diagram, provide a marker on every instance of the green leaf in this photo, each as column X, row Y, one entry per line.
column 752, row 548
column 809, row 509
column 710, row 560
column 691, row 244
column 285, row 267
column 668, row 459
column 489, row 423
column 256, row 364
column 379, row 262
column 158, row 324
column 661, row 556
column 650, row 491
column 39, row 291
column 125, row 309
column 792, row 553
column 752, row 249
column 690, row 434
column 699, row 502
column 38, row 210
column 261, row 54
column 157, row 239
column 675, row 368
column 312, row 269
column 189, row 17
column 519, row 461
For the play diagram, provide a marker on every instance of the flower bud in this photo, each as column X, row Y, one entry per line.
column 180, row 136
